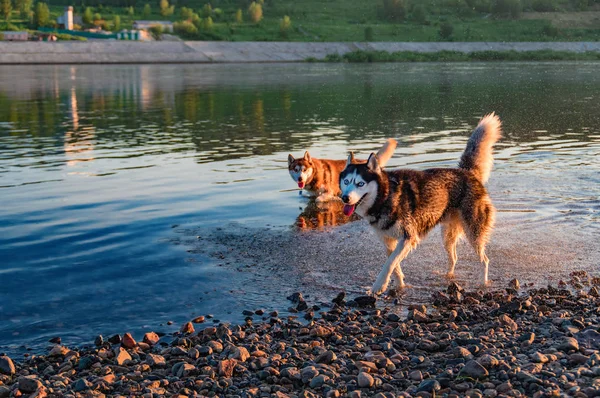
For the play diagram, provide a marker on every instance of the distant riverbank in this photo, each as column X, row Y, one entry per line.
column 117, row 52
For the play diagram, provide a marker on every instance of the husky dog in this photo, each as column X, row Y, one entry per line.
column 320, row 177
column 404, row 205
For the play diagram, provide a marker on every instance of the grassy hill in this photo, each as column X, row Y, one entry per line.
column 364, row 20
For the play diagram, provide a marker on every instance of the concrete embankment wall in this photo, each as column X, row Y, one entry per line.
column 108, row 52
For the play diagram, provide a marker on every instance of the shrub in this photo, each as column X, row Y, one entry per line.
column 580, row 5
column 285, row 25
column 116, row 23
column 419, row 14
column 131, row 11
column 255, row 12
column 239, row 17
column 97, row 17
column 550, row 30
column 369, row 33
column 156, row 31
column 65, row 36
column 394, row 10
column 544, row 5
column 481, row 6
column 147, row 11
column 42, row 15
column 512, row 8
column 446, row 30
column 185, row 29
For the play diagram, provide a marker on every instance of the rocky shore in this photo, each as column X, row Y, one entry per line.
column 508, row 343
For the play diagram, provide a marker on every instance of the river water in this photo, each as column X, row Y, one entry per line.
column 136, row 195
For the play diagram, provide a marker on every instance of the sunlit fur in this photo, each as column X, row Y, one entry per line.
column 404, row 205
column 321, row 176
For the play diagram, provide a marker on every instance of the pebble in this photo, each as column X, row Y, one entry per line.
column 128, row 341
column 29, row 384
column 365, row 380
column 540, row 342
column 474, row 369
column 7, row 366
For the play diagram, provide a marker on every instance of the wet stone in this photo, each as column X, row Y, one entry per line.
column 7, row 366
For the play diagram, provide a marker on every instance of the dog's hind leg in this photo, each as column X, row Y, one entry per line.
column 478, row 223
column 404, row 247
column 451, row 232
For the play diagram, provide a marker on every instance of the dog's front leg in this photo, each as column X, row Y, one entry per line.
column 400, row 252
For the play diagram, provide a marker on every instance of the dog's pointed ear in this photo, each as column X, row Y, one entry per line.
column 290, row 159
column 350, row 159
column 373, row 162
column 307, row 156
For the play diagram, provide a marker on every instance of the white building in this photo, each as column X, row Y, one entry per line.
column 65, row 21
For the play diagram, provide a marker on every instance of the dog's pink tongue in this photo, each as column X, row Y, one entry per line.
column 300, row 184
column 348, row 210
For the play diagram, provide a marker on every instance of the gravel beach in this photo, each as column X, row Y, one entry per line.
column 507, row 343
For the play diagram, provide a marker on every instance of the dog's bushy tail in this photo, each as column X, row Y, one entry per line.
column 386, row 151
column 478, row 157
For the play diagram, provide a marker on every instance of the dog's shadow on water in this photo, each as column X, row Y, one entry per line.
column 321, row 215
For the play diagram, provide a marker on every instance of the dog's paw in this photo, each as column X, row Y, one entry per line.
column 379, row 286
column 450, row 275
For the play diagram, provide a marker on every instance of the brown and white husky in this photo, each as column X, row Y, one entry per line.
column 321, row 177
column 404, row 205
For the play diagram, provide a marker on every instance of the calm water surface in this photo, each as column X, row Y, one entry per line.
column 111, row 177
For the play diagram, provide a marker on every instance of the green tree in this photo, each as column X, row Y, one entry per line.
column 42, row 15
column 207, row 10
column 88, row 16
column 147, row 11
column 285, row 25
column 239, row 17
column 24, row 7
column 165, row 9
column 117, row 23
column 186, row 13
column 97, row 17
column 131, row 11
column 255, row 12
column 207, row 23
column 6, row 9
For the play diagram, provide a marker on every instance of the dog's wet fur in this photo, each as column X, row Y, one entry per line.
column 404, row 205
column 320, row 177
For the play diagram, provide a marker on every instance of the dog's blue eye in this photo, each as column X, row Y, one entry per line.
column 346, row 182
column 360, row 184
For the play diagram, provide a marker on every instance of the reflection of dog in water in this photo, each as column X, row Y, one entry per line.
column 318, row 215
column 402, row 206
column 321, row 177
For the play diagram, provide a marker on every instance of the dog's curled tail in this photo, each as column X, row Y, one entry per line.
column 387, row 150
column 478, row 157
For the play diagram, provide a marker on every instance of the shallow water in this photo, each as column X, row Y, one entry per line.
column 133, row 195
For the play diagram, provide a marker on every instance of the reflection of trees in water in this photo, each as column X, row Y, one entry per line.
column 132, row 112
